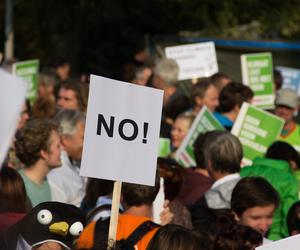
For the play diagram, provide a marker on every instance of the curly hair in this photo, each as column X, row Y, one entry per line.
column 33, row 138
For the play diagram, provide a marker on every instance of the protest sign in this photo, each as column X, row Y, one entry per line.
column 194, row 60
column 122, row 131
column 290, row 243
column 257, row 130
column 12, row 98
column 164, row 147
column 257, row 73
column 291, row 78
column 203, row 122
column 28, row 72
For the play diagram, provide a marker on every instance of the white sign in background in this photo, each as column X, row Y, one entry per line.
column 12, row 98
column 290, row 243
column 121, row 137
column 194, row 60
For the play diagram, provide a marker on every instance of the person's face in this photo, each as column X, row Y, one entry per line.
column 63, row 71
column 179, row 131
column 24, row 117
column 73, row 144
column 67, row 99
column 259, row 218
column 211, row 98
column 52, row 155
column 284, row 112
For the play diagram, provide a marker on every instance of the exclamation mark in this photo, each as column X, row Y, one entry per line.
column 145, row 132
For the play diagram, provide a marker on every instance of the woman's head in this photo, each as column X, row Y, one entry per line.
column 180, row 128
column 253, row 203
column 13, row 198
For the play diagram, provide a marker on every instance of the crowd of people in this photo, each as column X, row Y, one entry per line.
column 214, row 205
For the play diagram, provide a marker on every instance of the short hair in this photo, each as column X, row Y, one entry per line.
column 168, row 70
column 224, row 151
column 33, row 138
column 280, row 150
column 253, row 192
column 233, row 94
column 199, row 146
column 81, row 92
column 174, row 237
column 237, row 237
column 13, row 196
column 218, row 77
column 138, row 195
column 293, row 218
column 199, row 89
column 68, row 120
column 187, row 116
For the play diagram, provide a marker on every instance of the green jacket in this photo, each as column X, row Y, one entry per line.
column 280, row 175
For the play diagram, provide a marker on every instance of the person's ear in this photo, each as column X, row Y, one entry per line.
column 236, row 217
column 43, row 154
column 198, row 101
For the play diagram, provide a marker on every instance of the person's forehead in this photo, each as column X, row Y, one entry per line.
column 67, row 92
column 258, row 210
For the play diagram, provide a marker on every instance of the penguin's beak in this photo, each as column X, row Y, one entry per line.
column 60, row 228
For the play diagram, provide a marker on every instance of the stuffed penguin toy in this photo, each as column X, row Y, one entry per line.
column 47, row 222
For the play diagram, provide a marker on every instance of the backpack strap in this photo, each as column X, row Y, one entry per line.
column 97, row 210
column 137, row 234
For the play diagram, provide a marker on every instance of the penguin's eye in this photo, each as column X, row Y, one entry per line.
column 76, row 228
column 44, row 216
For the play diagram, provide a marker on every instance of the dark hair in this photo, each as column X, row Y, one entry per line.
column 58, row 61
column 174, row 237
column 13, row 196
column 253, row 192
column 278, row 79
column 81, row 92
column 96, row 188
column 199, row 146
column 237, row 237
column 199, row 89
column 293, row 218
column 233, row 94
column 33, row 138
column 224, row 151
column 280, row 150
column 137, row 195
column 172, row 173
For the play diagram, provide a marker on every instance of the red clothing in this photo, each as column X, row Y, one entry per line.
column 9, row 219
column 193, row 187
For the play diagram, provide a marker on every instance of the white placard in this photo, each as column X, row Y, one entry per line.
column 121, row 137
column 290, row 243
column 12, row 99
column 194, row 60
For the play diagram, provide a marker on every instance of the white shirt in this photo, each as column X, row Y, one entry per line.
column 225, row 179
column 65, row 182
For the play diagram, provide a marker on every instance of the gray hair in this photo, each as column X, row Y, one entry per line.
column 224, row 151
column 48, row 77
column 168, row 70
column 68, row 119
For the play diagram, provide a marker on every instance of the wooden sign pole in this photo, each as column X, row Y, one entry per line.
column 114, row 213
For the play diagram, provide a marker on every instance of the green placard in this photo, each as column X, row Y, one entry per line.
column 28, row 71
column 257, row 73
column 257, row 130
column 205, row 121
column 164, row 147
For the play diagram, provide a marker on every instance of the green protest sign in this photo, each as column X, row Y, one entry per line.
column 257, row 73
column 257, row 130
column 164, row 147
column 28, row 71
column 204, row 121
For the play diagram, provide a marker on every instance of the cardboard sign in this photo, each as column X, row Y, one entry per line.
column 290, row 243
column 257, row 130
column 12, row 98
column 194, row 60
column 28, row 72
column 203, row 122
column 164, row 147
column 291, row 78
column 257, row 73
column 122, row 131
